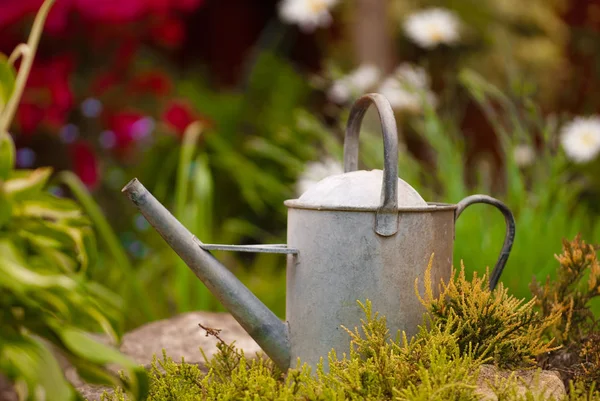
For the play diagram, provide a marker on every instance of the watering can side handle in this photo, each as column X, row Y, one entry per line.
column 387, row 214
column 510, row 230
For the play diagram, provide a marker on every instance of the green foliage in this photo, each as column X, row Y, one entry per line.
column 46, row 246
column 490, row 323
column 571, row 293
column 46, row 301
column 7, row 80
column 543, row 196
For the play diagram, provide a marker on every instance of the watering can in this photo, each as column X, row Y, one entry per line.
column 353, row 236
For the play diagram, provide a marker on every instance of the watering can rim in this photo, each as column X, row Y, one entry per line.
column 431, row 207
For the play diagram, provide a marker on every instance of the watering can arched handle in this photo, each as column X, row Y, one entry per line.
column 509, row 238
column 387, row 215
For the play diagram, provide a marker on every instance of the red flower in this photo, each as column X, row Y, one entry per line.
column 179, row 115
column 169, row 32
column 187, row 5
column 85, row 163
column 12, row 11
column 29, row 116
column 112, row 11
column 153, row 82
column 128, row 127
column 58, row 18
column 104, row 82
column 48, row 97
column 166, row 5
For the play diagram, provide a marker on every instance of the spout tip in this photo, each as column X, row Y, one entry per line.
column 135, row 191
column 130, row 185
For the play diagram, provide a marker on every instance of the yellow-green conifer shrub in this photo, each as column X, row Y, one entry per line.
column 576, row 285
column 493, row 324
column 429, row 366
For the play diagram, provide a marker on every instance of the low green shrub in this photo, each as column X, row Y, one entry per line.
column 491, row 323
column 571, row 294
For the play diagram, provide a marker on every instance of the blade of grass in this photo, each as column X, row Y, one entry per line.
column 185, row 280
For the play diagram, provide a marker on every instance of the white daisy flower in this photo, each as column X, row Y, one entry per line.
column 524, row 155
column 315, row 172
column 408, row 88
column 580, row 139
column 308, row 14
column 353, row 84
column 432, row 27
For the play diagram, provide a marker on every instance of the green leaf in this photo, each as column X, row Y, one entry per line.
column 7, row 155
column 27, row 186
column 7, row 80
column 5, row 207
column 92, row 373
column 69, row 247
column 15, row 275
column 83, row 346
column 29, row 360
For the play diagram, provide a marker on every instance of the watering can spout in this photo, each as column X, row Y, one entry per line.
column 263, row 325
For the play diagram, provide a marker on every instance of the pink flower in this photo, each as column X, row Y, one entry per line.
column 85, row 163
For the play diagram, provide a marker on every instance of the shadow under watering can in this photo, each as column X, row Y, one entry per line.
column 353, row 236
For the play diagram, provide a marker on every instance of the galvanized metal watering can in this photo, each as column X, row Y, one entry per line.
column 354, row 236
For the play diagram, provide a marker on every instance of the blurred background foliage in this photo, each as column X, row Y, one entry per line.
column 116, row 87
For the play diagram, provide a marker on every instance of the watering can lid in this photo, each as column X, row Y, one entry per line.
column 359, row 190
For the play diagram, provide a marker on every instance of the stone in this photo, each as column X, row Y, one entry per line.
column 181, row 336
column 547, row 384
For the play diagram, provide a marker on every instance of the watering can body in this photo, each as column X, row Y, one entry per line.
column 341, row 260
column 356, row 236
